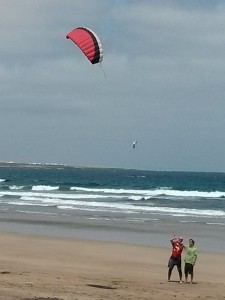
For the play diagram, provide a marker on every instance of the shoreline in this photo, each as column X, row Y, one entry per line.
column 153, row 235
column 43, row 267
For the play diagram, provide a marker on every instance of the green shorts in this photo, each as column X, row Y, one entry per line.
column 188, row 269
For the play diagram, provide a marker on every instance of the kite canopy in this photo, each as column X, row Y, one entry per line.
column 134, row 144
column 88, row 42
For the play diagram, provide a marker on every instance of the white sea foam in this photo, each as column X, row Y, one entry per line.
column 2, row 180
column 154, row 192
column 21, row 203
column 58, row 195
column 131, row 194
column 156, row 210
column 16, row 187
column 184, row 221
column 74, row 203
column 44, row 188
column 138, row 198
column 36, row 212
column 221, row 224
column 111, row 200
column 109, row 191
column 65, row 207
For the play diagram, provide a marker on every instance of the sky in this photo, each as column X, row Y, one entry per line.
column 164, row 87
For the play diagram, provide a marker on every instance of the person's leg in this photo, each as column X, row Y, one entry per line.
column 169, row 273
column 192, row 276
column 180, row 274
column 179, row 270
column 170, row 266
column 186, row 272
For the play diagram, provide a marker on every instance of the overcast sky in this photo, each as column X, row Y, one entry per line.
column 165, row 84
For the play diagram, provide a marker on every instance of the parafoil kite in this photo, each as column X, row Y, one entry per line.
column 134, row 144
column 88, row 42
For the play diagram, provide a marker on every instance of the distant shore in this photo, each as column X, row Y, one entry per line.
column 22, row 164
column 41, row 267
column 49, row 165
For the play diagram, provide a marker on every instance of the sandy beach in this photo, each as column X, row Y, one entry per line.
column 37, row 267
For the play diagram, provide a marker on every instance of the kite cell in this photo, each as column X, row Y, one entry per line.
column 88, row 42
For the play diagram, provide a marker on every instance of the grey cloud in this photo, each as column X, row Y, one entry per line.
column 164, row 63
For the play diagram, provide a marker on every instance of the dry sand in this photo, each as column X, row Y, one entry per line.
column 34, row 267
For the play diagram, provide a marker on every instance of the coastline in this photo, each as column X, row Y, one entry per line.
column 153, row 234
column 62, row 238
column 43, row 267
column 144, row 208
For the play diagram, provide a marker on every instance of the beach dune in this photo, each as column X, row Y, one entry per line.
column 37, row 267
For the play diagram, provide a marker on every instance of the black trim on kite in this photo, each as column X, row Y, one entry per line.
column 96, row 57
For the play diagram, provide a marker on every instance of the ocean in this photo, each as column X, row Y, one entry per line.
column 118, row 205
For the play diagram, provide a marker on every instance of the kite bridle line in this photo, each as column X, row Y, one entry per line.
column 101, row 66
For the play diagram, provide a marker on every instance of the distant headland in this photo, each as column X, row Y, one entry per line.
column 27, row 165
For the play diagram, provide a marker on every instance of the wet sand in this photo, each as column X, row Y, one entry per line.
column 40, row 267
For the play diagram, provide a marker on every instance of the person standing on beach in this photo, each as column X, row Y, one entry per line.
column 175, row 258
column 190, row 260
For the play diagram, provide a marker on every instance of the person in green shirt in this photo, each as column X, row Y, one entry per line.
column 190, row 260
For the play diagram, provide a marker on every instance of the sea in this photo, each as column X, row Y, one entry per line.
column 110, row 204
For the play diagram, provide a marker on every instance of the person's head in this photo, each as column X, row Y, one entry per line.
column 191, row 242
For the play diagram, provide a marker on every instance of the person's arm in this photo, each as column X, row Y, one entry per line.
column 173, row 239
column 194, row 256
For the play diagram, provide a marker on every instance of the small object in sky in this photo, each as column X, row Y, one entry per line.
column 134, row 144
column 88, row 42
